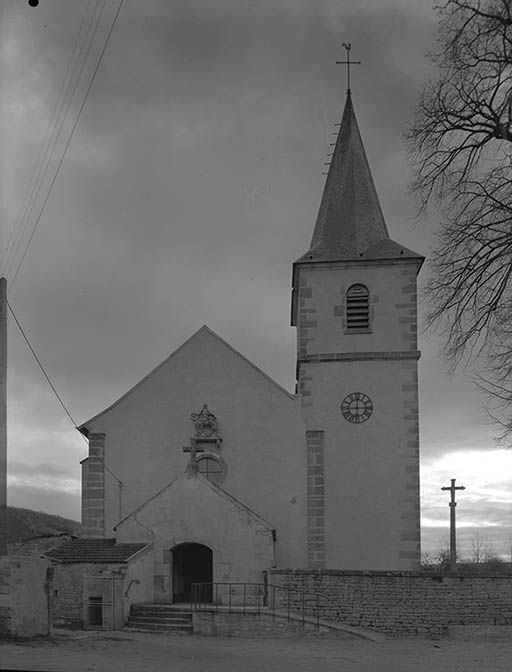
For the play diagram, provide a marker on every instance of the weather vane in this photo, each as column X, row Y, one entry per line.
column 348, row 63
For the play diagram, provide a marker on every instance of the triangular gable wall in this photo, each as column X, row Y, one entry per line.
column 203, row 331
column 202, row 482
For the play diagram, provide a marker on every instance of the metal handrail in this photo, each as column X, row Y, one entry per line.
column 132, row 582
column 210, row 596
column 205, row 595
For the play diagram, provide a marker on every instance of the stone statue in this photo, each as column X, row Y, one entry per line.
column 205, row 423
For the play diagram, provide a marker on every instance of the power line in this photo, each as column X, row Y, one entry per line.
column 114, row 21
column 41, row 365
column 54, row 389
column 55, row 138
column 31, row 184
column 22, row 217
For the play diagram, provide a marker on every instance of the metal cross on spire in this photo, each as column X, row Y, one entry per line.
column 348, row 63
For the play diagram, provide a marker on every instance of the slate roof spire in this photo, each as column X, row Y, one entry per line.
column 350, row 223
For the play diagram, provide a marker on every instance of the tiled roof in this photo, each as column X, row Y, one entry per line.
column 350, row 224
column 389, row 249
column 94, row 550
column 17, row 529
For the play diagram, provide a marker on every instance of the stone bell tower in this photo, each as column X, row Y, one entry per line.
column 355, row 308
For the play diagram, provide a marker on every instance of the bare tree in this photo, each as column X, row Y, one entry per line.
column 441, row 555
column 482, row 549
column 460, row 142
column 427, row 559
column 508, row 548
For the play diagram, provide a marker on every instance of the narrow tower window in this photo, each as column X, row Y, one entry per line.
column 357, row 308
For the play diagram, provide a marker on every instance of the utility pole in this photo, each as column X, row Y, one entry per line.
column 3, row 416
column 452, row 505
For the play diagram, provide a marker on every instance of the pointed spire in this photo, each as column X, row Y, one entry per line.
column 350, row 219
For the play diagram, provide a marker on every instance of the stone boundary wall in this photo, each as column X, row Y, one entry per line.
column 24, row 595
column 5, row 599
column 36, row 546
column 402, row 603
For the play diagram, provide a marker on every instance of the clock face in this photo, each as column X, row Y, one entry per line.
column 357, row 407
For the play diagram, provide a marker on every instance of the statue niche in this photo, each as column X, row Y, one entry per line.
column 205, row 424
column 206, row 437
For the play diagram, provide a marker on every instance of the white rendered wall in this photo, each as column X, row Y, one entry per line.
column 261, row 426
column 371, row 469
column 189, row 510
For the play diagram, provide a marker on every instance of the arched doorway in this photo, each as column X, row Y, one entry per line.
column 191, row 563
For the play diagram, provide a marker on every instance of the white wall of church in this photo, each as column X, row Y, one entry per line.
column 189, row 510
column 370, row 469
column 260, row 423
column 391, row 286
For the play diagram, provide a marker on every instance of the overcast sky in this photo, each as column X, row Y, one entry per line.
column 191, row 183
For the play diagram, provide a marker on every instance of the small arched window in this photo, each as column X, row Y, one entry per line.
column 357, row 308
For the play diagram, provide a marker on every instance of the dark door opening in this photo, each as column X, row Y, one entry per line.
column 191, row 563
column 95, row 611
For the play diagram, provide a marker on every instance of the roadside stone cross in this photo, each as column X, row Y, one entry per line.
column 453, row 549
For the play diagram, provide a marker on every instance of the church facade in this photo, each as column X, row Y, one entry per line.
column 226, row 474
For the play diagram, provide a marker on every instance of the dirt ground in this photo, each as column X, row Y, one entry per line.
column 137, row 651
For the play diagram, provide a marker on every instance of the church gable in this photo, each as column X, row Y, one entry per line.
column 148, row 435
column 203, row 350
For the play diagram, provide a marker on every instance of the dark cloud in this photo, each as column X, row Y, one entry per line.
column 47, row 469
column 192, row 182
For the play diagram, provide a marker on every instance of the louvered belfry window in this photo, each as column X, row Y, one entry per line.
column 357, row 308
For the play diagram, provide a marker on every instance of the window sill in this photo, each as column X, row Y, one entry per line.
column 358, row 331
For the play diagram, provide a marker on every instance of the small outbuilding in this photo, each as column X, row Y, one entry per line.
column 95, row 582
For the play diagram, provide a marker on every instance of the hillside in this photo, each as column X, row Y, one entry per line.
column 44, row 523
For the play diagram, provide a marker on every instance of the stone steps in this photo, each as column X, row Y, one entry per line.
column 159, row 618
column 177, row 629
column 164, row 620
